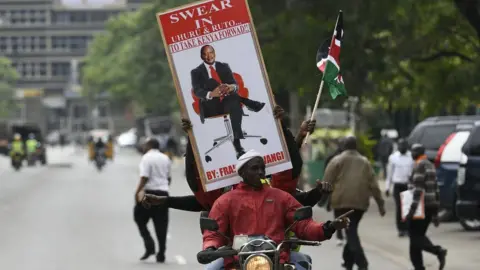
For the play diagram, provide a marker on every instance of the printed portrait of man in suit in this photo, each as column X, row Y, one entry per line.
column 214, row 84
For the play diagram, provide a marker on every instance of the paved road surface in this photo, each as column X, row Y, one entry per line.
column 64, row 217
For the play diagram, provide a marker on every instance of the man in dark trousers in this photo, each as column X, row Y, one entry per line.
column 424, row 181
column 384, row 150
column 400, row 166
column 354, row 182
column 154, row 179
column 214, row 84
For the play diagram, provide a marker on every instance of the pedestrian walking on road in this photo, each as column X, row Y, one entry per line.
column 155, row 179
column 399, row 170
column 354, row 182
column 384, row 150
column 339, row 233
column 424, row 182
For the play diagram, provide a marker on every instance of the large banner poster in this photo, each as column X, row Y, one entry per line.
column 223, row 88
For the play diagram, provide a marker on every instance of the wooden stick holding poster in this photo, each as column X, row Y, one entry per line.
column 229, row 102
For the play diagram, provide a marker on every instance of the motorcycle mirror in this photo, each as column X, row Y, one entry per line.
column 208, row 224
column 303, row 213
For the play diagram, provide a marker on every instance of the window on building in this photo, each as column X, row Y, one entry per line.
column 3, row 44
column 78, row 17
column 43, row 69
column 60, row 17
column 61, row 69
column 60, row 43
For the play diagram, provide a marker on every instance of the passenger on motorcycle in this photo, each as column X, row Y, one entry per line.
column 286, row 180
column 32, row 144
column 17, row 146
column 253, row 208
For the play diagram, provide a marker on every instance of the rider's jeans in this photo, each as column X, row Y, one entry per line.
column 300, row 260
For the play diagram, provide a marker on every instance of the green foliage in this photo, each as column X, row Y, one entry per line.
column 365, row 146
column 128, row 61
column 8, row 77
column 406, row 53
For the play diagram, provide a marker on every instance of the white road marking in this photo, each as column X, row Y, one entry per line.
column 180, row 260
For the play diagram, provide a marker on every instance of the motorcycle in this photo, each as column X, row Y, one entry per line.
column 17, row 159
column 31, row 159
column 100, row 159
column 255, row 251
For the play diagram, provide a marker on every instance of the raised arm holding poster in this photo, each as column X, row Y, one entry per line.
column 229, row 102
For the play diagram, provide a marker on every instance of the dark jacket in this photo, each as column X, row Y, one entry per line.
column 424, row 181
column 202, row 84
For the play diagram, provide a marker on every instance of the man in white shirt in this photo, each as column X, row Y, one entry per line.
column 154, row 179
column 399, row 170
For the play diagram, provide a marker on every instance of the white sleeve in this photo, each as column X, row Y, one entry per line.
column 390, row 169
column 145, row 168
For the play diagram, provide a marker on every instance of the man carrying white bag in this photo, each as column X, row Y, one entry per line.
column 420, row 208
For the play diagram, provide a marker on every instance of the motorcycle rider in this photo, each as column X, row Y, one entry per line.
column 17, row 146
column 32, row 144
column 99, row 146
column 253, row 208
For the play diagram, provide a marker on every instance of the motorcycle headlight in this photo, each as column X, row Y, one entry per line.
column 258, row 262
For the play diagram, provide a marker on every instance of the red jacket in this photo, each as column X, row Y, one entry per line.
column 267, row 211
column 282, row 180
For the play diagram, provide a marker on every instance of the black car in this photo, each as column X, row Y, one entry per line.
column 468, row 182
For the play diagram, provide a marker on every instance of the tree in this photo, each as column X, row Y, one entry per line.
column 8, row 78
column 396, row 54
column 129, row 61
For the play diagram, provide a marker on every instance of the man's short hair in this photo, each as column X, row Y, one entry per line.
column 204, row 47
column 153, row 143
column 350, row 143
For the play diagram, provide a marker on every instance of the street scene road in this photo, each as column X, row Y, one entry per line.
column 70, row 216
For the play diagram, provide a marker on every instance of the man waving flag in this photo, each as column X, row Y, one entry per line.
column 328, row 61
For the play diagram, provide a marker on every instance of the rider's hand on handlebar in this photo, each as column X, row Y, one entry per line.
column 186, row 125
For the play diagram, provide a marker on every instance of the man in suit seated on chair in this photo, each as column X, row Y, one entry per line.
column 214, row 84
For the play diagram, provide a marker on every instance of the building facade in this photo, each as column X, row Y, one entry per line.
column 47, row 40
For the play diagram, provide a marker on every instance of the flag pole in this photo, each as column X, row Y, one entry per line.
column 321, row 84
column 315, row 108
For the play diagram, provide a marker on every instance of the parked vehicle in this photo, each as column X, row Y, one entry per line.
column 433, row 131
column 161, row 128
column 468, row 182
column 447, row 163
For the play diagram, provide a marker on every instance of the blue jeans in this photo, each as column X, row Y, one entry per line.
column 300, row 260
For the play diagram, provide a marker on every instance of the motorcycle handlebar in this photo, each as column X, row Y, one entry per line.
column 207, row 256
column 302, row 242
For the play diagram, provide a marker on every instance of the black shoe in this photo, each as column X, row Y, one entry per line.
column 402, row 234
column 160, row 258
column 254, row 106
column 146, row 255
column 442, row 258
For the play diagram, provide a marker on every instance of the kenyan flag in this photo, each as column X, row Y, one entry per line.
column 328, row 61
